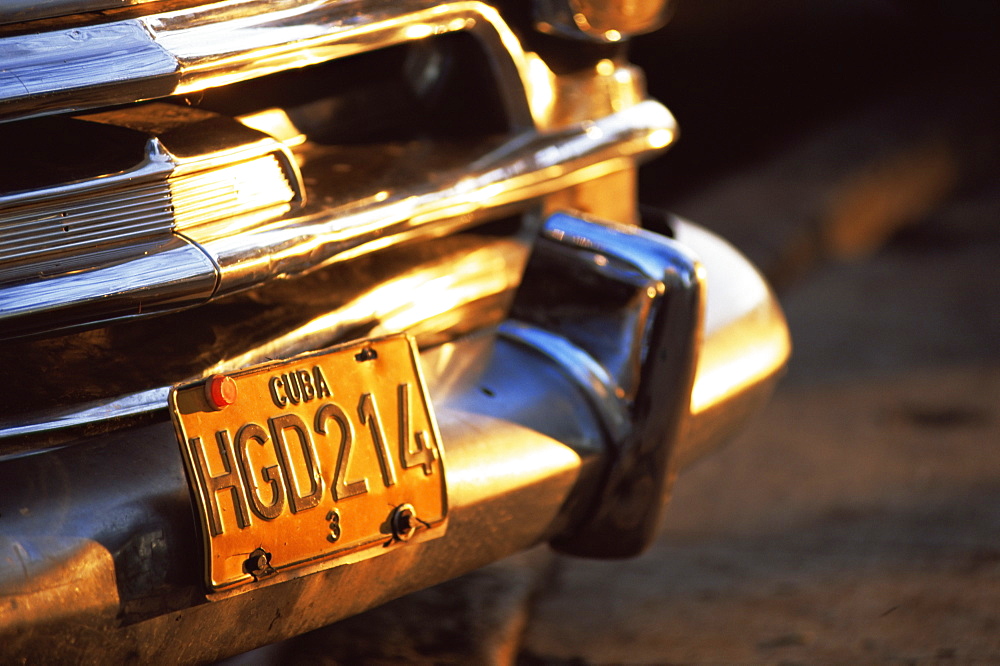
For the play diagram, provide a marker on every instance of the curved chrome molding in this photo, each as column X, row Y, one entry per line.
column 746, row 344
column 222, row 43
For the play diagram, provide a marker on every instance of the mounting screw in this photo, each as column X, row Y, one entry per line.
column 366, row 354
column 258, row 564
column 404, row 521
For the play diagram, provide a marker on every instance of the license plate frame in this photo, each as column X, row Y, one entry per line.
column 312, row 462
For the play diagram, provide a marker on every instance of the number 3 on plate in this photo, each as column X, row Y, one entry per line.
column 334, row 519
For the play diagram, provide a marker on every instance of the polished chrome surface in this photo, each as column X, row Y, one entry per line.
column 627, row 256
column 580, row 140
column 139, row 280
column 568, row 425
column 592, row 378
column 127, row 206
column 72, row 417
column 224, row 174
column 242, row 187
column 102, row 247
column 455, row 293
column 226, row 42
column 605, row 21
column 746, row 343
column 530, row 458
column 82, row 68
column 27, row 10
column 183, row 178
column 527, row 166
column 632, row 299
column 126, row 561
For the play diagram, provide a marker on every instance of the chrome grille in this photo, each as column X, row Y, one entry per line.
column 213, row 195
column 238, row 213
column 120, row 213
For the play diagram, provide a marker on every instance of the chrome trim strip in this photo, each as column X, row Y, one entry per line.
column 127, row 282
column 179, row 179
column 82, row 68
column 90, row 413
column 130, row 205
column 222, row 43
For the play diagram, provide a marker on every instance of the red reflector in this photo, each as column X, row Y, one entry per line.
column 220, row 391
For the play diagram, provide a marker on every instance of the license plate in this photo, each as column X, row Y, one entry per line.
column 305, row 464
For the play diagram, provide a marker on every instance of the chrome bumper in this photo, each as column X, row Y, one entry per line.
column 551, row 433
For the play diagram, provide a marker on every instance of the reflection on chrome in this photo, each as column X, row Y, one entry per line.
column 742, row 351
column 745, row 348
column 219, row 44
column 600, row 20
column 575, row 363
column 632, row 300
column 590, row 376
column 172, row 179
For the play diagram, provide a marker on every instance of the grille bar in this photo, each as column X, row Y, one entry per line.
column 223, row 43
column 118, row 215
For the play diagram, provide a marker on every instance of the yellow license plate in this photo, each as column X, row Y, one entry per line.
column 309, row 463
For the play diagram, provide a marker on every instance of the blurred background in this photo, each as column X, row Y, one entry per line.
column 850, row 149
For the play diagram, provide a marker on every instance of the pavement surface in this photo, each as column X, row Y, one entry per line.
column 857, row 520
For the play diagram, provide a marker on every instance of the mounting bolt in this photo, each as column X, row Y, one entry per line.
column 366, row 354
column 404, row 521
column 258, row 564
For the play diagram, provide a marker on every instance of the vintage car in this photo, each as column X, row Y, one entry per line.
column 309, row 304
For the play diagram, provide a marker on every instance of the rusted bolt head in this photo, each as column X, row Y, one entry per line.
column 404, row 521
column 258, row 564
